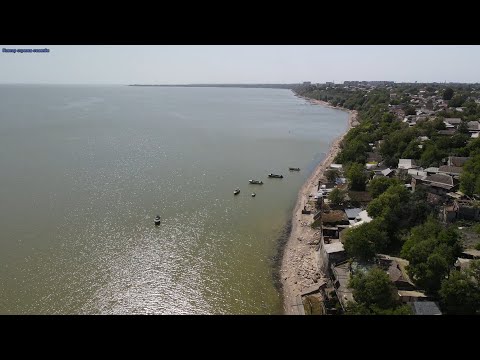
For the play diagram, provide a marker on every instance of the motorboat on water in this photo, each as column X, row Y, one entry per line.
column 236, row 191
column 157, row 220
column 293, row 169
column 258, row 182
column 275, row 176
column 253, row 194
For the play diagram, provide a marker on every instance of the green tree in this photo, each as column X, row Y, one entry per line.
column 399, row 310
column 412, row 151
column 438, row 124
column 456, row 101
column 374, row 289
column 467, row 183
column 448, row 94
column 388, row 117
column 432, row 156
column 473, row 147
column 379, row 185
column 336, row 197
column 363, row 241
column 460, row 294
column 429, row 104
column 463, row 128
column 332, row 175
column 354, row 308
column 356, row 177
column 474, row 270
column 470, row 177
column 431, row 250
column 389, row 203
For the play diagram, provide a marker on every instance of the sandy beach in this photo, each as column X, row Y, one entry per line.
column 300, row 268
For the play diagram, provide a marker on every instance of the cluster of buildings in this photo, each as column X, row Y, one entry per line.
column 427, row 107
column 368, row 83
column 332, row 257
column 441, row 185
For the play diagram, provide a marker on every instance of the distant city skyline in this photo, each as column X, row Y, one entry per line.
column 238, row 64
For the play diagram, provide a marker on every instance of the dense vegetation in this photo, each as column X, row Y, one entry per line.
column 398, row 139
column 404, row 223
column 460, row 292
column 336, row 197
column 470, row 178
column 375, row 295
column 431, row 250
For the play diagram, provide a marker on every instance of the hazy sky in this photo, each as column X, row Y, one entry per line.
column 169, row 64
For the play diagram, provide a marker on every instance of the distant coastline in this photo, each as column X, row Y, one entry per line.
column 299, row 263
column 249, row 86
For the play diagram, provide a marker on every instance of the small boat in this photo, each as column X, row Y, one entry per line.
column 293, row 169
column 236, row 192
column 253, row 194
column 157, row 220
column 258, row 182
column 275, row 176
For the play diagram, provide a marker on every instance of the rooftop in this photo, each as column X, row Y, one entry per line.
column 450, row 169
column 334, row 216
column 455, row 195
column 406, row 163
column 473, row 125
column 334, row 247
column 457, row 160
column 397, row 268
column 472, row 253
column 360, row 196
column 362, row 218
column 352, row 213
column 425, row 308
column 440, row 179
column 411, row 293
column 416, row 172
column 447, row 132
column 387, row 172
column 453, row 121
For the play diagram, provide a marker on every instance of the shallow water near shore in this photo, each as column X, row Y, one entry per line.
column 85, row 169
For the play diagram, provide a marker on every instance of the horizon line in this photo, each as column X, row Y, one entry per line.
column 245, row 84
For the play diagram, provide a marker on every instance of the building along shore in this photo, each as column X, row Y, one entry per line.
column 300, row 268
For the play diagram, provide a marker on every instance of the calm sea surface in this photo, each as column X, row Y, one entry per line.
column 85, row 169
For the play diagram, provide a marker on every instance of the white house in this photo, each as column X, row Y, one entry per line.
column 406, row 164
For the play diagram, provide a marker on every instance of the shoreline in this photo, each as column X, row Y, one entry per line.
column 299, row 268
